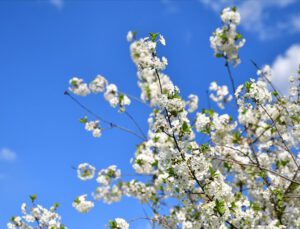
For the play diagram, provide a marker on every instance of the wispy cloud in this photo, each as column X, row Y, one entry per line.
column 188, row 35
column 256, row 16
column 57, row 3
column 284, row 66
column 171, row 6
column 7, row 155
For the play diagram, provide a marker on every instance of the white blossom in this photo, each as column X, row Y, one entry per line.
column 220, row 94
column 98, row 84
column 130, row 36
column 82, row 205
column 162, row 40
column 94, row 127
column 36, row 216
column 118, row 223
column 78, row 87
column 226, row 41
column 192, row 103
column 85, row 171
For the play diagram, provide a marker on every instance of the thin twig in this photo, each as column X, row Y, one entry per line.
column 260, row 167
column 136, row 99
column 112, row 125
column 279, row 134
column 135, row 123
column 231, row 80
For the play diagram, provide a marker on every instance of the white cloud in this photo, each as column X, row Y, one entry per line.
column 57, row 3
column 295, row 23
column 284, row 66
column 7, row 155
column 171, row 6
column 256, row 17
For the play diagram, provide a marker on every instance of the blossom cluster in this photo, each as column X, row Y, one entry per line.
column 100, row 85
column 192, row 103
column 36, row 217
column 243, row 177
column 118, row 223
column 85, row 171
column 226, row 41
column 220, row 94
column 82, row 205
column 216, row 171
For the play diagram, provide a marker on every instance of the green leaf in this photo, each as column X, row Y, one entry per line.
column 220, row 207
column 134, row 34
column 236, row 138
column 185, row 128
column 238, row 195
column 155, row 139
column 263, row 174
column 83, row 120
column 153, row 36
column 77, row 201
column 171, row 172
column 33, row 197
column 74, row 83
column 148, row 92
column 154, row 199
column 155, row 164
column 212, row 172
column 111, row 173
column 204, row 148
column 233, row 206
column 223, row 36
column 219, row 55
column 294, row 186
column 282, row 163
column 275, row 93
column 238, row 36
column 121, row 97
column 140, row 162
column 256, row 207
column 296, row 118
column 234, row 9
column 209, row 112
column 113, row 224
column 247, row 86
column 56, row 205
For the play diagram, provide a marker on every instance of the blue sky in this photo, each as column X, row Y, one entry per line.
column 44, row 43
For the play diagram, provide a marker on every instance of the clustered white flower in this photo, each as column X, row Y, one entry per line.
column 118, row 223
column 36, row 216
column 243, row 173
column 115, row 99
column 202, row 121
column 220, row 94
column 226, row 41
column 94, row 127
column 105, row 176
column 240, row 177
column 85, row 171
column 100, row 85
column 294, row 90
column 78, row 87
column 192, row 103
column 162, row 40
column 265, row 71
column 82, row 205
